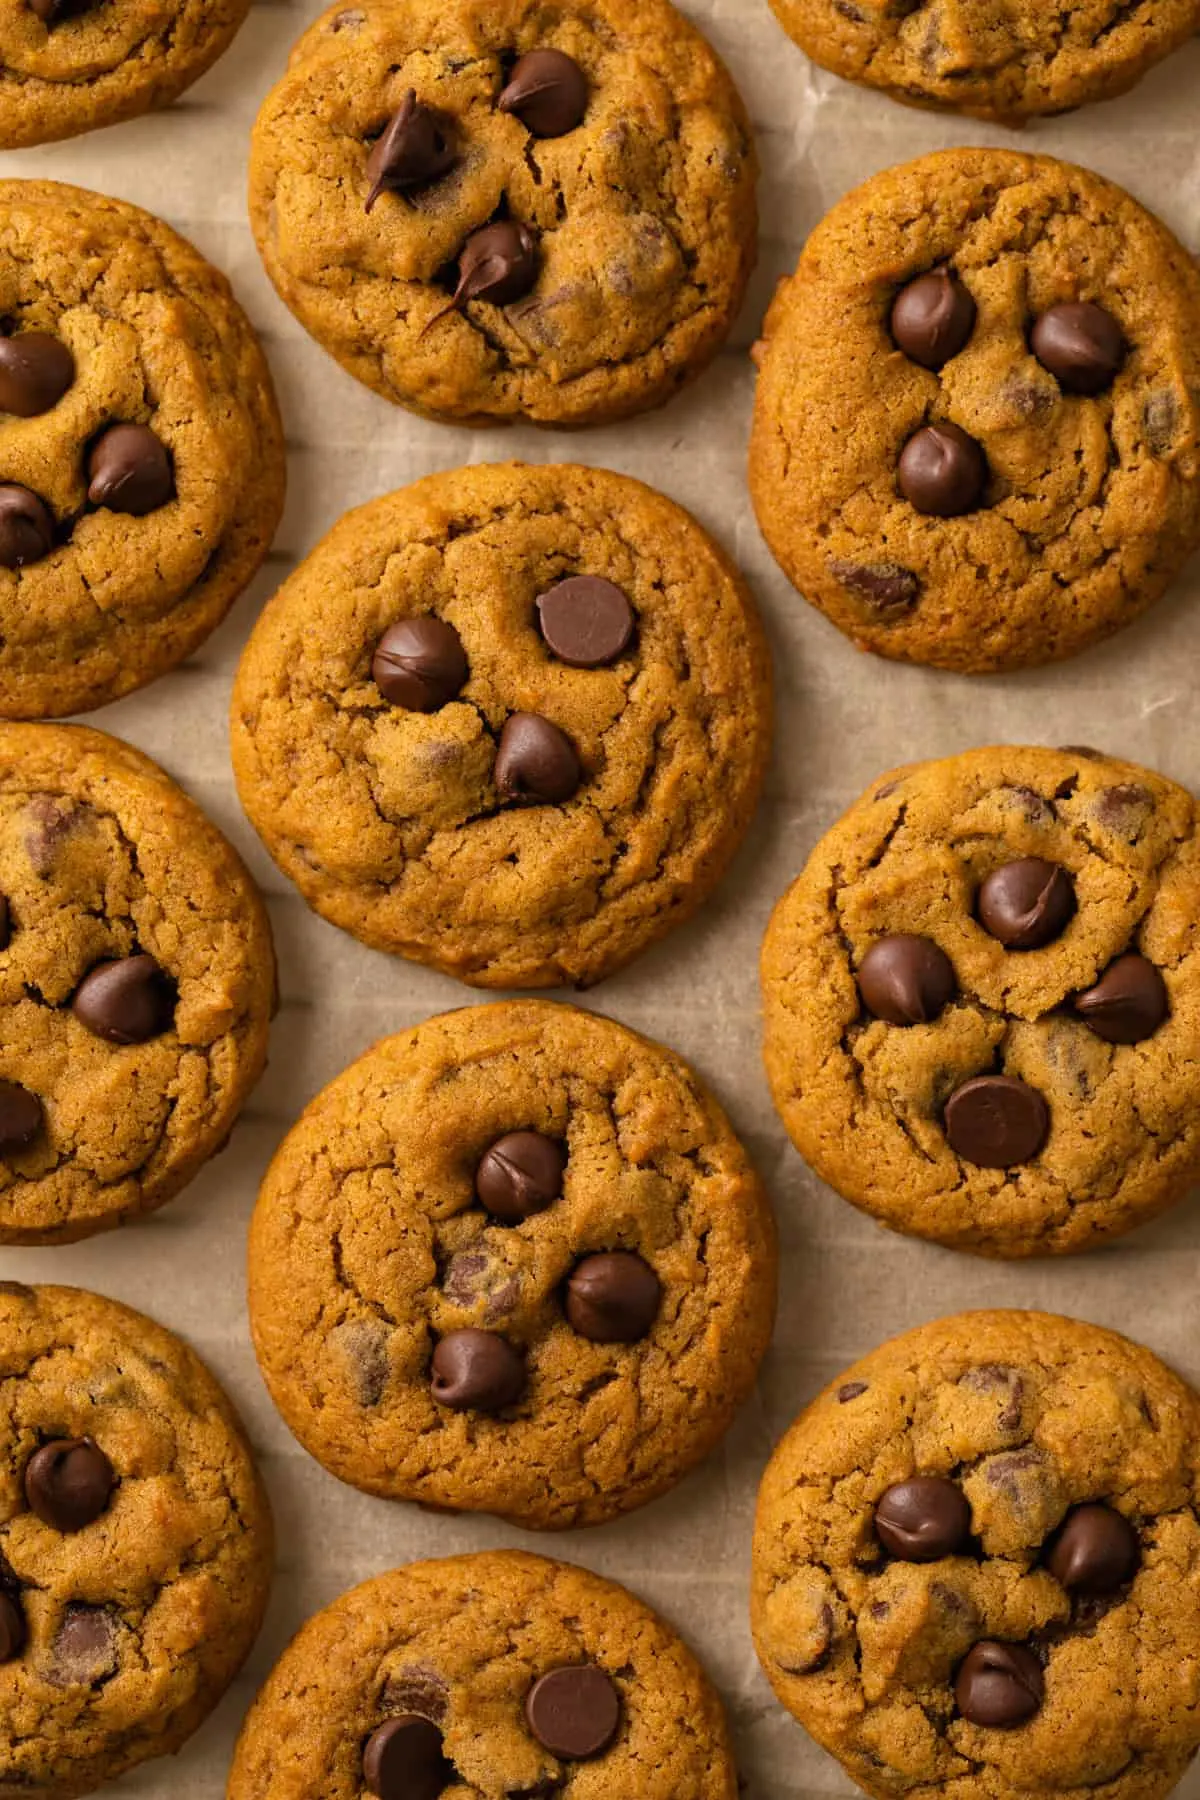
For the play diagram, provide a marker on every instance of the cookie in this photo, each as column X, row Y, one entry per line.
column 489, row 210
column 977, row 1565
column 135, row 1541
column 982, row 1000
column 489, row 1676
column 513, row 1260
column 1011, row 63
column 977, row 430
column 510, row 721
column 137, row 980
column 141, row 459
column 68, row 66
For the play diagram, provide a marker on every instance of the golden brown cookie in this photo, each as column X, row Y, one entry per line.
column 137, row 979
column 141, row 458
column 977, row 431
column 487, row 209
column 977, row 1565
column 510, row 721
column 135, row 1541
column 983, row 1000
column 513, row 1261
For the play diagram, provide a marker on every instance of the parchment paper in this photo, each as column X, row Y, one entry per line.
column 843, row 718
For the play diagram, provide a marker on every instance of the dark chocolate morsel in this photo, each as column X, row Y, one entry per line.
column 932, row 318
column 12, row 1629
column 887, row 589
column 499, row 263
column 26, row 527
column 1001, row 1685
column 1027, row 904
column 127, row 1001
column 574, row 1712
column 923, row 1520
column 404, row 1759
column 1081, row 345
column 586, row 621
column 1127, row 1004
column 420, row 664
column 613, row 1298
column 68, row 1483
column 996, row 1121
column 548, row 92
column 20, row 1117
column 536, row 761
column 412, row 151
column 520, row 1175
column 35, row 372
column 1095, row 1552
column 906, row 980
column 477, row 1371
column 943, row 471
column 129, row 471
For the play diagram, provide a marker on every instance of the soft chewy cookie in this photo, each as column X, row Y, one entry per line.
column 137, row 979
column 510, row 721
column 69, row 65
column 977, row 1565
column 491, row 209
column 135, row 1541
column 977, row 433
column 487, row 1677
column 141, row 460
column 983, row 1000
column 513, row 1261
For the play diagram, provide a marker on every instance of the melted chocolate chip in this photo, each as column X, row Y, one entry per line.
column 586, row 621
column 906, row 980
column 35, row 372
column 613, row 1298
column 128, row 1001
column 84, row 1649
column 420, row 664
column 20, row 1117
column 12, row 1629
column 522, row 1174
column 477, row 1371
column 932, row 318
column 548, row 92
column 536, row 762
column 1000, row 1685
column 69, row 1483
column 412, row 151
column 996, row 1122
column 889, row 589
column 574, row 1712
column 129, row 471
column 850, row 1390
column 1127, row 1004
column 1027, row 904
column 404, row 1759
column 26, row 527
column 1081, row 345
column 923, row 1520
column 943, row 471
column 499, row 264
column 1096, row 1552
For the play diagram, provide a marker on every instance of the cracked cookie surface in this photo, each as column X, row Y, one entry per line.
column 371, row 1250
column 1036, row 1422
column 643, row 213
column 1090, row 502
column 117, row 589
column 867, row 1100
column 103, row 860
column 390, row 820
column 132, row 1626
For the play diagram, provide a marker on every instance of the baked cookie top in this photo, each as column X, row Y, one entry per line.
column 137, row 980
column 141, row 459
column 977, row 431
column 135, row 1541
column 486, row 1676
column 515, row 1261
column 488, row 209
column 510, row 721
column 977, row 1564
column 70, row 65
column 982, row 1000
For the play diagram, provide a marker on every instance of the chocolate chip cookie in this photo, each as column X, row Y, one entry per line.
column 136, row 984
column 488, row 209
column 492, row 1676
column 977, row 433
column 68, row 66
column 513, row 1261
column 510, row 721
column 141, row 459
column 135, row 1541
column 983, row 1000
column 977, row 1565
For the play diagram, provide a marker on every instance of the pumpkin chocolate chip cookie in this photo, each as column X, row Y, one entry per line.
column 512, row 1261
column 977, row 1565
column 510, row 721
column 983, row 1000
column 491, row 209
column 977, row 432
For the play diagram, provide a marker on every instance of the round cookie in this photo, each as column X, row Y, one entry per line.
column 977, row 430
column 514, row 1261
column 487, row 1676
column 982, row 1000
column 510, row 721
column 488, row 210
column 141, row 458
column 135, row 1541
column 1010, row 63
column 137, row 980
column 68, row 66
column 977, row 1565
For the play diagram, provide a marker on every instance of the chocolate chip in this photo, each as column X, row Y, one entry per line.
column 420, row 664
column 548, row 92
column 84, row 1648
column 613, row 1298
column 943, row 471
column 1000, row 1685
column 536, row 761
column 363, row 1345
column 129, row 471
column 35, row 372
column 477, row 1371
column 1081, row 345
column 586, row 621
column 127, row 1001
column 418, row 1689
column 996, row 1122
column 12, row 1629
column 26, row 527
column 412, row 151
column 1096, row 1552
column 20, row 1117
column 1161, row 418
column 923, row 1520
column 887, row 587
column 1127, row 1004
column 51, row 823
column 1027, row 904
column 1124, row 809
column 574, row 1712
column 933, row 318
column 499, row 263
column 68, row 1483
column 51, row 11
column 522, row 1174
column 906, row 980
column 850, row 1390
column 405, row 1760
